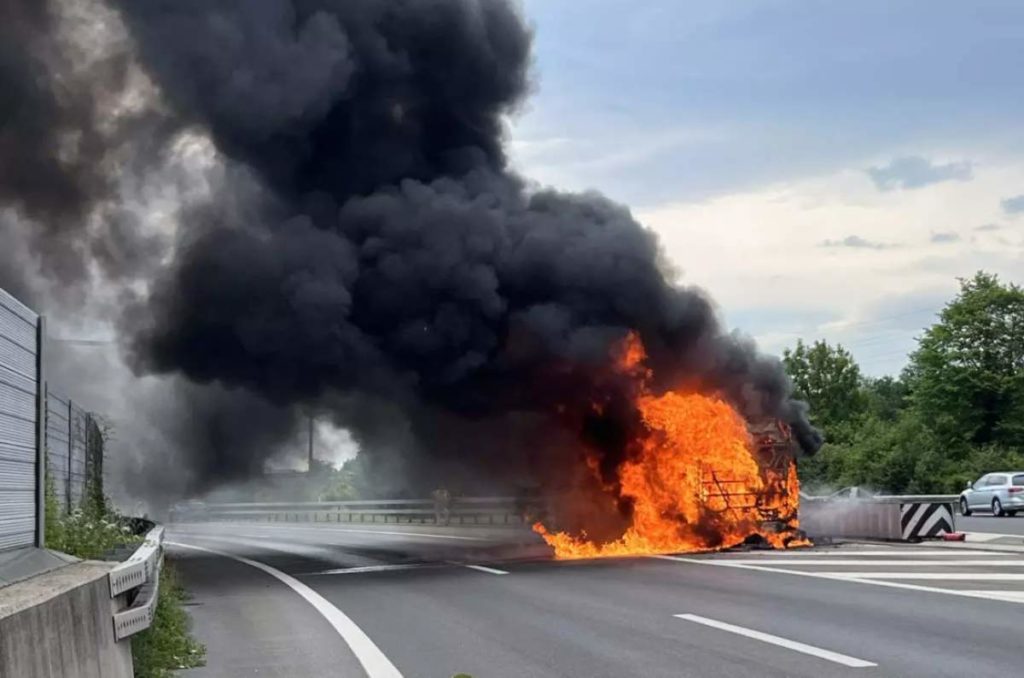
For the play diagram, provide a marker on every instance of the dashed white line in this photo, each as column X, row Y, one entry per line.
column 821, row 653
column 479, row 568
column 374, row 662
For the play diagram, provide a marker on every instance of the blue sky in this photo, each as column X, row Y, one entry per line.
column 823, row 169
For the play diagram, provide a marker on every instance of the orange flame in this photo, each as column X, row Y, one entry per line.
column 699, row 481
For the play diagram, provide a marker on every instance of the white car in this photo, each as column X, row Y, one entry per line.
column 1000, row 493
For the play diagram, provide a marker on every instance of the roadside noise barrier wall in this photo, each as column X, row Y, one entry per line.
column 21, row 444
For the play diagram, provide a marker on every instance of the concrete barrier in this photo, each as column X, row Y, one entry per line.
column 59, row 625
column 892, row 518
column 75, row 621
column 851, row 519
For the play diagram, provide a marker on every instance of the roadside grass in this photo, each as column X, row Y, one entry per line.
column 167, row 646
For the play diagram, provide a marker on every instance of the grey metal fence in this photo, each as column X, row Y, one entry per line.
column 20, row 449
column 70, row 455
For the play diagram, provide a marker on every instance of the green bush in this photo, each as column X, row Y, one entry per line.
column 87, row 535
column 166, row 646
column 89, row 531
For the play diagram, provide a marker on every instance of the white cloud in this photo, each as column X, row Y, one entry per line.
column 759, row 254
column 857, row 242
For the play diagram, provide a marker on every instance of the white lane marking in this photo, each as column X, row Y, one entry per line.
column 836, row 657
column 305, row 550
column 369, row 655
column 951, row 576
column 1013, row 595
column 905, row 552
column 990, row 536
column 371, row 568
column 875, row 562
column 293, row 528
column 481, row 568
column 819, row 575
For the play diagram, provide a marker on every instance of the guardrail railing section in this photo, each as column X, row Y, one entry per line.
column 497, row 511
column 137, row 579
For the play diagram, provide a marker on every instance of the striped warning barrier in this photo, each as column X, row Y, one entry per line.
column 921, row 520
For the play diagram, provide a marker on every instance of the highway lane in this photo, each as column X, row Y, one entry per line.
column 980, row 522
column 597, row 618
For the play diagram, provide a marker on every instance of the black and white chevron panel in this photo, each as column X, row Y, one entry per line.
column 925, row 520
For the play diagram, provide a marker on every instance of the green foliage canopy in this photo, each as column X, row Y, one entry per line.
column 956, row 412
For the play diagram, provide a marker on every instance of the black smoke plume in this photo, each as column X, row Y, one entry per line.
column 370, row 255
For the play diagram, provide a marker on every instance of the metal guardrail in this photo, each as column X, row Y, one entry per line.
column 140, row 572
column 891, row 498
column 462, row 511
column 919, row 498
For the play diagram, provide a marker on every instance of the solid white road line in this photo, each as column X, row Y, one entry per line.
column 819, row 575
column 991, row 536
column 958, row 576
column 910, row 552
column 1014, row 595
column 876, row 562
column 305, row 550
column 843, row 659
column 478, row 568
column 371, row 568
column 369, row 655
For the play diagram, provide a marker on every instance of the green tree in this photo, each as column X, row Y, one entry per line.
column 967, row 374
column 829, row 380
column 955, row 413
column 888, row 456
column 886, row 397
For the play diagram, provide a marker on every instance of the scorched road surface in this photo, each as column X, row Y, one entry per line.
column 395, row 601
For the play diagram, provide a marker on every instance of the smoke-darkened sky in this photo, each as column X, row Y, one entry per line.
column 358, row 245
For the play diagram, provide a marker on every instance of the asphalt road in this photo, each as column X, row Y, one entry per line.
column 325, row 601
column 980, row 522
